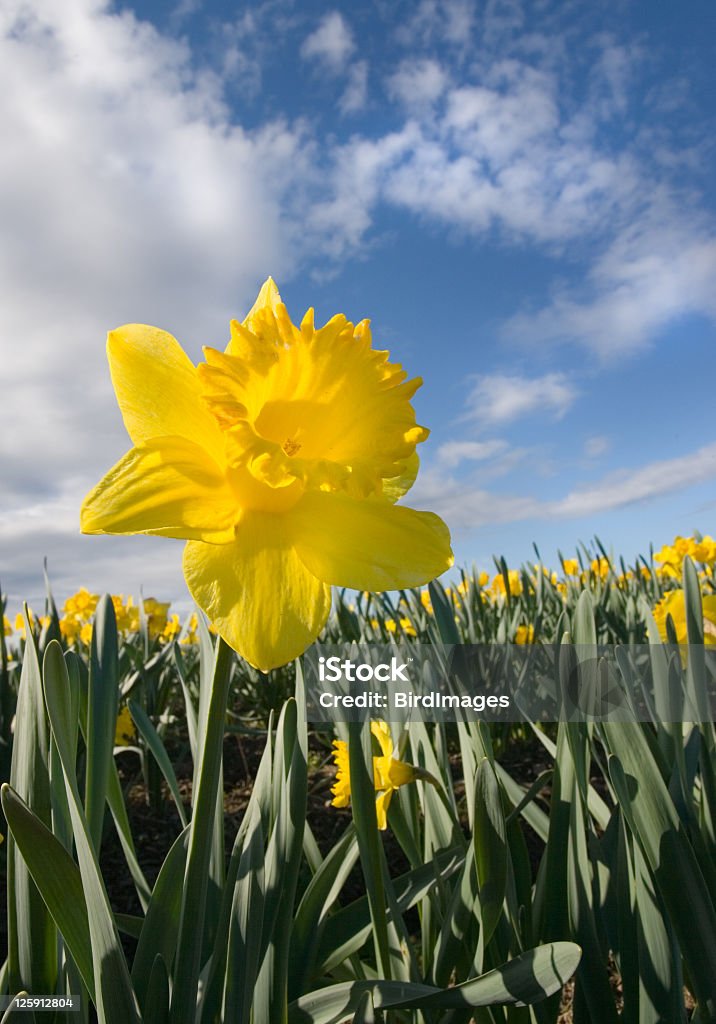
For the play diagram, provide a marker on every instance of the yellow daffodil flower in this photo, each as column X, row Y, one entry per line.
column 405, row 626
column 515, row 583
column 388, row 773
column 125, row 733
column 673, row 604
column 279, row 461
column 571, row 567
column 69, row 628
column 600, row 567
column 525, row 635
column 82, row 605
column 156, row 613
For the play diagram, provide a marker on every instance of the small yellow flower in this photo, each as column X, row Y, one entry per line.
column 600, row 567
column 405, row 626
column 127, row 615
column 7, row 626
column 86, row 634
column 670, row 562
column 571, row 567
column 82, row 605
column 156, row 614
column 70, row 628
column 125, row 733
column 280, row 461
column 171, row 630
column 388, row 773
column 515, row 583
column 704, row 551
column 525, row 635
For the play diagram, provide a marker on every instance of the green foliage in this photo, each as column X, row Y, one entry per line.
column 600, row 867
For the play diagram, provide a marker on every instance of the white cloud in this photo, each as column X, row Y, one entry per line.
column 331, row 43
column 596, row 446
column 418, row 84
column 356, row 91
column 452, row 453
column 466, row 508
column 451, row 21
column 127, row 195
column 628, row 486
column 501, row 398
column 504, row 154
column 660, row 267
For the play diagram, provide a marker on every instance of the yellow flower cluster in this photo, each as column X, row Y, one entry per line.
column 671, row 556
column 78, row 613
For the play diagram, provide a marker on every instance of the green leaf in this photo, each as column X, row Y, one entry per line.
column 348, row 929
column 153, row 740
column 653, row 820
column 156, row 1006
column 321, row 892
column 114, row 996
column 158, row 936
column 201, row 837
column 360, row 755
column 365, row 1011
column 56, row 876
column 102, row 707
column 444, row 614
column 32, row 941
column 490, row 849
column 283, row 857
column 530, row 977
column 244, row 946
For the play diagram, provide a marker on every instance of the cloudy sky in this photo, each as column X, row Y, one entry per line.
column 518, row 193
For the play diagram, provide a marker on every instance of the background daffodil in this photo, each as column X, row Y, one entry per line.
column 673, row 603
column 389, row 773
column 279, row 460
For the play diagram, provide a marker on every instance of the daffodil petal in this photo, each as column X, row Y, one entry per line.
column 257, row 592
column 397, row 486
column 268, row 298
column 381, row 731
column 158, row 389
column 368, row 545
column 169, row 487
column 381, row 809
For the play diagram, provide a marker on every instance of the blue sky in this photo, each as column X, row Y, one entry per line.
column 519, row 195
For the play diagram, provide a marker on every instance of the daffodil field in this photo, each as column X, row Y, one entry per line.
column 600, row 867
column 407, row 871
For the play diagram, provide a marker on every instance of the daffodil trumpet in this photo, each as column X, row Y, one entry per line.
column 279, row 461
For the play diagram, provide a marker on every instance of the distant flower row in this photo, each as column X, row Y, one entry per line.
column 79, row 609
column 489, row 590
